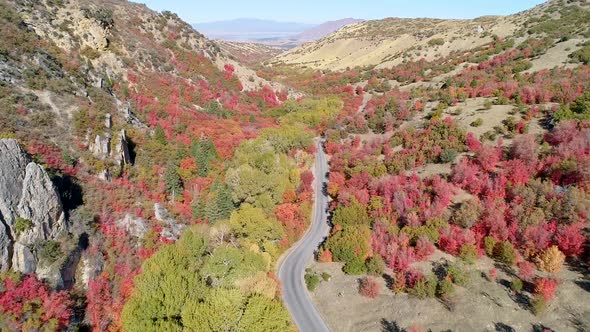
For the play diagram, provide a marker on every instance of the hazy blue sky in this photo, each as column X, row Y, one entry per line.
column 317, row 11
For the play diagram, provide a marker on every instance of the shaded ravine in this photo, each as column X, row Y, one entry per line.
column 292, row 268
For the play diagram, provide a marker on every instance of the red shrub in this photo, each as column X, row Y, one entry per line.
column 526, row 270
column 424, row 248
column 546, row 288
column 493, row 274
column 570, row 240
column 473, row 144
column 325, row 256
column 369, row 287
column 525, row 148
column 20, row 299
column 451, row 240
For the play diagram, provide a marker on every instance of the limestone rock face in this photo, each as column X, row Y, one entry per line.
column 121, row 152
column 23, row 259
column 108, row 121
column 95, row 35
column 136, row 227
column 13, row 161
column 5, row 248
column 52, row 274
column 171, row 229
column 101, row 147
column 90, row 268
column 40, row 203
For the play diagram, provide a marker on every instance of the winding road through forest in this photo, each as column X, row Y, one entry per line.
column 292, row 269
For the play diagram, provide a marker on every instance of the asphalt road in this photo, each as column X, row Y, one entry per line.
column 292, row 268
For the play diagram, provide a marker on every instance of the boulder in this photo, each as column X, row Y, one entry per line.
column 134, row 226
column 171, row 229
column 40, row 203
column 90, row 268
column 13, row 161
column 101, row 147
column 23, row 259
column 51, row 273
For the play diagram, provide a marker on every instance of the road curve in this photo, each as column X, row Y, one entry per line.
column 292, row 268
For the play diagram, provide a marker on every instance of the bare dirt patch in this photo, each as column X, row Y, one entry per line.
column 482, row 305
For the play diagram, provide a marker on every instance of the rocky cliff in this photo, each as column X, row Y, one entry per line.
column 31, row 212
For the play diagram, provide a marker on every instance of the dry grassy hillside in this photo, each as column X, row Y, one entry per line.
column 389, row 42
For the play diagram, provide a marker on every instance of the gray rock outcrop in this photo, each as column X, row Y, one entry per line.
column 23, row 259
column 101, row 147
column 13, row 161
column 171, row 229
column 40, row 203
column 134, row 226
column 26, row 192
column 90, row 268
column 5, row 248
column 121, row 152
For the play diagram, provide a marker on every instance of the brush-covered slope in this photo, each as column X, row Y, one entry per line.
column 136, row 161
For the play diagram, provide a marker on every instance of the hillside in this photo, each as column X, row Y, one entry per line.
column 459, row 183
column 136, row 160
column 389, row 42
column 151, row 180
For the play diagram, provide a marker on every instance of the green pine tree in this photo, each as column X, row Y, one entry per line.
column 160, row 136
column 173, row 182
column 204, row 152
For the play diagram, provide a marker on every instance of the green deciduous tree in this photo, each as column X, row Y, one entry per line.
column 168, row 283
column 227, row 265
column 252, row 223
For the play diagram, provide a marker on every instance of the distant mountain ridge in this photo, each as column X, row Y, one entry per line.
column 325, row 29
column 248, row 29
column 282, row 34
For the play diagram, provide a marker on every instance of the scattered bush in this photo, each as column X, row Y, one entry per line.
column 445, row 288
column 458, row 274
column 468, row 253
column 425, row 287
column 369, row 287
column 436, row 42
column 538, row 305
column 492, row 274
column 546, row 288
column 22, row 225
column 50, row 251
column 505, row 253
column 311, row 281
column 516, row 284
column 550, row 260
column 477, row 122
